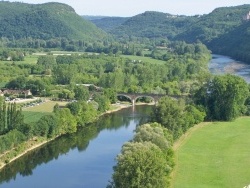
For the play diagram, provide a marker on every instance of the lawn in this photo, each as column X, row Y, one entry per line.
column 34, row 113
column 30, row 117
column 214, row 155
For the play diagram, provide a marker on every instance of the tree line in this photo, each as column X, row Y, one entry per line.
column 147, row 160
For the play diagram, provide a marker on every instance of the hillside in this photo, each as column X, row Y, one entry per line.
column 109, row 23
column 224, row 30
column 235, row 43
column 154, row 24
column 44, row 21
column 213, row 25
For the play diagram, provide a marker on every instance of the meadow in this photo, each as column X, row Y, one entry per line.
column 34, row 113
column 144, row 59
column 214, row 155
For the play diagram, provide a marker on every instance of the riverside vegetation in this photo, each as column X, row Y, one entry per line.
column 181, row 69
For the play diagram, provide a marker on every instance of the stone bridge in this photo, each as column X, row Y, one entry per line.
column 134, row 96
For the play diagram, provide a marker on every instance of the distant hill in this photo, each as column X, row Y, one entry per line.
column 213, row 25
column 109, row 23
column 90, row 18
column 235, row 43
column 44, row 21
column 153, row 24
column 225, row 30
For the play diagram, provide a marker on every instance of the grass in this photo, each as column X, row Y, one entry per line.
column 45, row 107
column 30, row 117
column 214, row 155
column 144, row 59
column 33, row 114
column 29, row 59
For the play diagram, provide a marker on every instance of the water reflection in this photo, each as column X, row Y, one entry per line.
column 69, row 154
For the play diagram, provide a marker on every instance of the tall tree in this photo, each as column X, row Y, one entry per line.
column 141, row 164
column 224, row 97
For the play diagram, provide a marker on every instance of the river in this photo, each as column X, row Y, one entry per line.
column 81, row 160
column 222, row 64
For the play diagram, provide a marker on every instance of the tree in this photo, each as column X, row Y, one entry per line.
column 170, row 113
column 18, row 83
column 81, row 93
column 103, row 102
column 66, row 121
column 140, row 164
column 111, row 95
column 155, row 134
column 223, row 97
column 47, row 61
column 84, row 112
column 66, row 94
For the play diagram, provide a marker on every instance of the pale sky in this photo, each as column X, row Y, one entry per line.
column 126, row 8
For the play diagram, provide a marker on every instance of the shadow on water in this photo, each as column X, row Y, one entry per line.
column 25, row 165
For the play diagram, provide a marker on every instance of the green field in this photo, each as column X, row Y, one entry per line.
column 30, row 117
column 214, row 155
column 29, row 59
column 144, row 59
column 33, row 114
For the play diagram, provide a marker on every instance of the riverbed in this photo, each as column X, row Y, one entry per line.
column 220, row 64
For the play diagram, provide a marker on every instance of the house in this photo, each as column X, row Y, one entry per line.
column 16, row 92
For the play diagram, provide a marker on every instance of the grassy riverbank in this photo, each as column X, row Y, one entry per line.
column 214, row 155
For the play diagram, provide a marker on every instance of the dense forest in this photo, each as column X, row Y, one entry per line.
column 44, row 21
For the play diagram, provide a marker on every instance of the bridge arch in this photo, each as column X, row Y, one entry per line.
column 126, row 96
column 138, row 97
column 134, row 96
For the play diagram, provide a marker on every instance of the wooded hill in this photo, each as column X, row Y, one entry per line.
column 153, row 24
column 44, row 21
column 224, row 30
column 106, row 23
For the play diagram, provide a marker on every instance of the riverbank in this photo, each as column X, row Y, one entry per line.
column 32, row 144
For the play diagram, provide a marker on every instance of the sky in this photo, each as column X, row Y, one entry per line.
column 127, row 8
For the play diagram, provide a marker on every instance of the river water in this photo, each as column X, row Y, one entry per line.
column 222, row 64
column 81, row 160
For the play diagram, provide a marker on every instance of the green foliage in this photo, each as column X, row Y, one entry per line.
column 103, row 102
column 83, row 112
column 140, row 165
column 108, row 23
column 224, row 97
column 66, row 121
column 11, row 117
column 81, row 93
column 111, row 95
column 11, row 140
column 176, row 116
column 235, row 43
column 216, row 24
column 44, row 21
column 153, row 24
column 146, row 161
